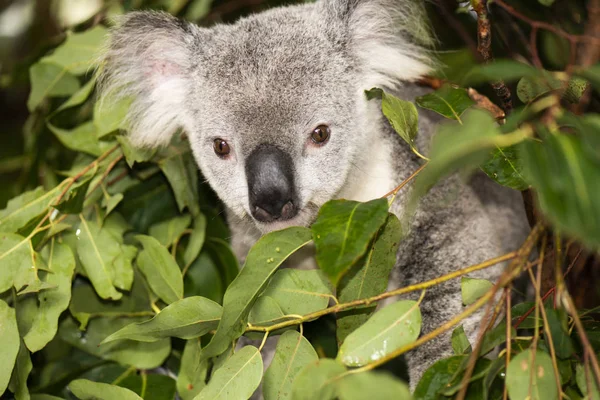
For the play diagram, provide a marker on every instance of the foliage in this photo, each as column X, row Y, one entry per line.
column 117, row 280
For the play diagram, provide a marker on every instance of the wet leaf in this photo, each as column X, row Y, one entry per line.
column 167, row 232
column 161, row 270
column 292, row 354
column 186, row 319
column 192, row 372
column 9, row 335
column 87, row 390
column 368, row 277
column 531, row 378
column 316, row 380
column 390, row 328
column 372, row 385
column 261, row 263
column 472, row 289
column 52, row 302
column 447, row 101
column 238, row 378
column 299, row 291
column 342, row 233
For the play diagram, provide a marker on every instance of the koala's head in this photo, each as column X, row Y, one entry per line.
column 274, row 105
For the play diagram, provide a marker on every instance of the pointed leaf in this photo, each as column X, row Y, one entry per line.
column 72, row 203
column 447, row 101
column 472, row 289
column 81, row 138
column 186, row 319
column 437, row 377
column 342, row 233
column 557, row 322
column 17, row 261
column 26, row 207
column 261, row 263
column 196, row 240
column 292, row 354
column 87, row 390
column 78, row 97
column 532, row 378
column 372, row 385
column 167, row 232
column 192, row 372
column 460, row 342
column 134, row 154
column 265, row 311
column 18, row 380
column 369, row 277
column 47, row 80
column 238, row 378
column 582, row 383
column 161, row 270
column 109, row 116
column 53, row 302
column 182, row 173
column 505, row 167
column 9, row 337
column 317, row 380
column 390, row 328
column 299, row 291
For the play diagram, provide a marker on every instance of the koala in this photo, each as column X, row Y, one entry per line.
column 278, row 122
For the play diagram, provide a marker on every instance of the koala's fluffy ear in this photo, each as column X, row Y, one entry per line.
column 390, row 37
column 148, row 58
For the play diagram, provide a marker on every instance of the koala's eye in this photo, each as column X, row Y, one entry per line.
column 221, row 147
column 320, row 134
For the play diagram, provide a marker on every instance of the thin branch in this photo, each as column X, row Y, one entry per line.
column 400, row 186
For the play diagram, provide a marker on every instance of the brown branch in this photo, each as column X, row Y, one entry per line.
column 484, row 42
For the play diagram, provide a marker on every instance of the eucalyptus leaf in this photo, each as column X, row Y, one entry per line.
column 472, row 289
column 292, row 354
column 191, row 378
column 582, row 383
column 238, row 378
column 506, row 70
column 530, row 375
column 186, row 318
column 460, row 342
column 18, row 380
column 87, row 390
column 196, row 239
column 109, row 116
column 261, row 263
column 390, row 328
column 342, row 233
column 18, row 262
column 132, row 153
column 299, row 291
column 81, row 138
column 317, row 380
column 161, row 270
column 505, row 167
column 167, row 232
column 72, row 203
column 557, row 323
column 368, row 277
column 9, row 335
column 79, row 52
column 447, row 101
column 61, row 264
column 48, row 80
column 25, row 207
column 78, row 97
column 181, row 171
column 372, row 385
column 264, row 311
column 437, row 377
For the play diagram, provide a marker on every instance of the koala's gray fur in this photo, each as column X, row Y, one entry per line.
column 271, row 79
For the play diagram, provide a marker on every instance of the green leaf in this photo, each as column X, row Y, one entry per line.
column 18, row 380
column 557, row 322
column 592, row 74
column 505, row 167
column 48, row 80
column 238, row 378
column 506, row 70
column 203, row 278
column 529, row 322
column 61, row 264
column 191, row 378
column 495, row 337
column 186, row 319
column 368, row 277
column 582, row 382
column 87, row 390
column 151, row 386
column 292, row 354
column 141, row 355
column 390, row 328
column 97, row 250
column 472, row 289
column 111, row 202
column 531, row 378
column 134, row 154
column 222, row 253
column 530, row 88
column 79, row 52
column 401, row 114
column 9, row 336
column 161, row 270
column 78, row 97
column 317, row 380
column 447, row 101
column 26, row 207
column 261, row 263
column 564, row 176
column 198, row 9
column 167, row 232
column 17, row 261
column 182, row 173
column 265, row 311
column 72, row 203
column 437, row 377
column 460, row 342
column 81, row 138
column 575, row 90
column 342, row 233
column 299, row 291
column 587, row 126
column 109, row 115
column 196, row 240
column 372, row 385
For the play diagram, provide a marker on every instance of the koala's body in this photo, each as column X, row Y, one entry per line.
column 277, row 119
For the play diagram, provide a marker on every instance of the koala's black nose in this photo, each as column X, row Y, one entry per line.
column 270, row 175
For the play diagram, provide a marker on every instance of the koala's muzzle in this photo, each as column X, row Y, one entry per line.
column 270, row 175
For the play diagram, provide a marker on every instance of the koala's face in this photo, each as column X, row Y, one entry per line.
column 276, row 131
column 273, row 105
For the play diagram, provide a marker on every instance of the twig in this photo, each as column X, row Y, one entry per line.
column 508, row 335
column 400, row 186
column 484, row 42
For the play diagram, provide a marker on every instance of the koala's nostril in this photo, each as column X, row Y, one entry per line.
column 272, row 210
